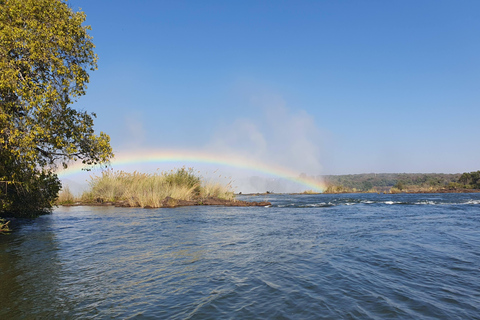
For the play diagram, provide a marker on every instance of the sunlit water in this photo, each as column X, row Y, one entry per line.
column 305, row 257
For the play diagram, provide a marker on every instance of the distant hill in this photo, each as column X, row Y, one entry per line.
column 384, row 181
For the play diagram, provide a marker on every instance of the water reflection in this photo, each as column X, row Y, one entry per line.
column 115, row 256
column 30, row 273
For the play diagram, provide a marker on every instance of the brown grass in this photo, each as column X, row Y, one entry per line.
column 142, row 189
column 338, row 189
column 65, row 197
column 310, row 192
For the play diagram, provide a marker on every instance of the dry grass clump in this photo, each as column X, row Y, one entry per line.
column 142, row 189
column 339, row 189
column 65, row 196
column 217, row 190
column 310, row 192
column 394, row 190
column 421, row 189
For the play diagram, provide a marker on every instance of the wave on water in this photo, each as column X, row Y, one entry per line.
column 326, row 201
column 426, row 202
column 308, row 205
column 472, row 202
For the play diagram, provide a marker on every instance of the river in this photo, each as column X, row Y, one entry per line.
column 353, row 256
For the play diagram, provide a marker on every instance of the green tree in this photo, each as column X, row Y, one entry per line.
column 367, row 185
column 470, row 179
column 45, row 56
column 465, row 178
column 399, row 185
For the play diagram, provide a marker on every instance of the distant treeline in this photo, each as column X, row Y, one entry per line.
column 402, row 181
column 470, row 179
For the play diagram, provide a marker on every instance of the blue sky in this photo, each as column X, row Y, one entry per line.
column 322, row 87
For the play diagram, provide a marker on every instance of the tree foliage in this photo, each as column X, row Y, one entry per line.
column 470, row 179
column 45, row 56
column 387, row 180
column 401, row 181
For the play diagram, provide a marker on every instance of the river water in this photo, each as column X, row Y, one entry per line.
column 355, row 256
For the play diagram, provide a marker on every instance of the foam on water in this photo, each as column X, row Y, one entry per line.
column 426, row 202
column 372, row 200
column 473, row 202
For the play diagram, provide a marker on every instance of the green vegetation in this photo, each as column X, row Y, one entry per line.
column 45, row 56
column 395, row 190
column 339, row 189
column 470, row 180
column 401, row 182
column 149, row 190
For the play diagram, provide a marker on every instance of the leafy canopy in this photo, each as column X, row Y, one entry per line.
column 45, row 56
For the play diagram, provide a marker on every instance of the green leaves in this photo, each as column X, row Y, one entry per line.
column 45, row 56
column 470, row 179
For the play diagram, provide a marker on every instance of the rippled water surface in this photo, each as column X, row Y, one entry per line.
column 305, row 257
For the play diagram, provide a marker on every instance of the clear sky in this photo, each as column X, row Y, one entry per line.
column 322, row 87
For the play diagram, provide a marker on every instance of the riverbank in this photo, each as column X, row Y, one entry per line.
column 426, row 191
column 394, row 190
column 445, row 191
column 466, row 182
column 169, row 202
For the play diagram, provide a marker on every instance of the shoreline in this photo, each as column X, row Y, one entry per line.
column 364, row 192
column 169, row 202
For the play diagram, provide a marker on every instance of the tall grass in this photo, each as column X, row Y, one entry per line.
column 65, row 196
column 142, row 189
column 310, row 192
column 394, row 190
column 339, row 189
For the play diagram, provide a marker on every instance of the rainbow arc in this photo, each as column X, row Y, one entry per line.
column 182, row 157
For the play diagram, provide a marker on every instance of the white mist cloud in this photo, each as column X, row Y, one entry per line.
column 240, row 137
column 134, row 134
column 274, row 135
column 267, row 132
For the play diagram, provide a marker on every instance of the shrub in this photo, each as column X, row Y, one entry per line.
column 33, row 196
column 183, row 177
column 400, row 185
column 395, row 190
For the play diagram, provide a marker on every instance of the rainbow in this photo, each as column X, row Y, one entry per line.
column 149, row 157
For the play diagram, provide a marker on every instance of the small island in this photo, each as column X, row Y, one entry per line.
column 170, row 189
